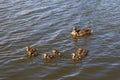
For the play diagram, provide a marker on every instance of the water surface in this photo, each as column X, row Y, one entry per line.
column 46, row 24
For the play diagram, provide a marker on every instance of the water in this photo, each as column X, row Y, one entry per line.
column 46, row 24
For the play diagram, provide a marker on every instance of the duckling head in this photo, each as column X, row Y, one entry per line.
column 54, row 50
column 73, row 54
column 29, row 53
column 27, row 48
column 45, row 55
column 80, row 49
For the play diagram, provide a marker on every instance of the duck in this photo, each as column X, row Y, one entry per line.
column 31, row 51
column 56, row 52
column 85, row 31
column 75, row 57
column 82, row 52
column 46, row 56
column 74, row 32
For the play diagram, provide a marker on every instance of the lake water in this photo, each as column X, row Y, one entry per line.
column 45, row 25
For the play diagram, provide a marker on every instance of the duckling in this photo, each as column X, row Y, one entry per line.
column 74, row 32
column 31, row 51
column 56, row 52
column 82, row 52
column 79, row 51
column 85, row 32
column 75, row 57
column 47, row 56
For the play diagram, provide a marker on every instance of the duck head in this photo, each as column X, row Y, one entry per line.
column 74, row 32
column 75, row 28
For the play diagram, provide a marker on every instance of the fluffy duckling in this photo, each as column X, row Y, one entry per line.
column 82, row 52
column 47, row 56
column 56, row 52
column 31, row 51
column 74, row 32
column 85, row 32
column 79, row 51
column 75, row 57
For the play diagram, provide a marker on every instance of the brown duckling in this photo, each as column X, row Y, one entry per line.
column 82, row 52
column 74, row 32
column 75, row 57
column 79, row 51
column 85, row 32
column 47, row 56
column 31, row 51
column 56, row 52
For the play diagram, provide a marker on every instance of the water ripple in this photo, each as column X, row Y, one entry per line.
column 46, row 25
